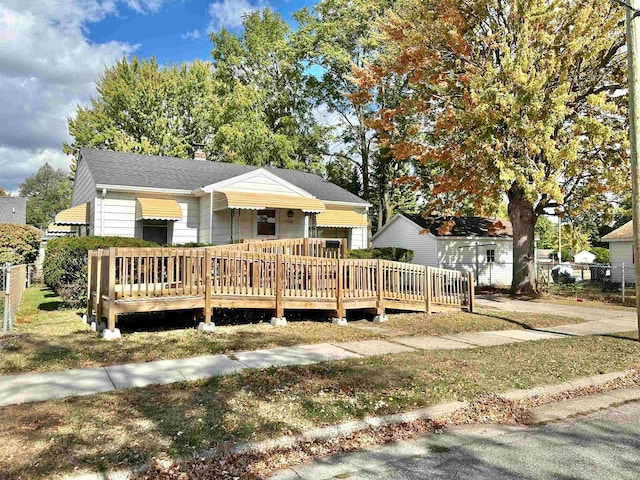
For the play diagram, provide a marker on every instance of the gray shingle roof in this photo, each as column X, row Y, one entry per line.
column 464, row 226
column 13, row 210
column 154, row 171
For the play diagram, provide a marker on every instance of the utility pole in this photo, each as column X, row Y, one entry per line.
column 632, row 8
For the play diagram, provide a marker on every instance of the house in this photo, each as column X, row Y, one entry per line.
column 13, row 210
column 177, row 201
column 621, row 253
column 472, row 244
column 584, row 257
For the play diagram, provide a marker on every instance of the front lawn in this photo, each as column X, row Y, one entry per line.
column 47, row 338
column 129, row 427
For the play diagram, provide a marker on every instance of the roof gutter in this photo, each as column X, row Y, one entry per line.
column 124, row 188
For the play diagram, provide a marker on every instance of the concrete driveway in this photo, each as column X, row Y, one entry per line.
column 600, row 320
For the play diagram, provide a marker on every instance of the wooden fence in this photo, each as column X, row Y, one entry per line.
column 14, row 282
column 123, row 280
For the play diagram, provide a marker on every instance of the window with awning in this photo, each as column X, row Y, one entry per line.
column 261, row 201
column 78, row 215
column 158, row 209
column 341, row 219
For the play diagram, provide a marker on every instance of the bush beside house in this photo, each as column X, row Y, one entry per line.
column 394, row 254
column 65, row 264
column 19, row 243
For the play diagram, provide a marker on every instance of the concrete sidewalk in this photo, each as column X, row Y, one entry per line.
column 33, row 387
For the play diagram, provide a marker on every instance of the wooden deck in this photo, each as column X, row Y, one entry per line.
column 278, row 275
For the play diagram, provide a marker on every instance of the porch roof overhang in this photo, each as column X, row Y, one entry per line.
column 157, row 209
column 78, row 215
column 341, row 219
column 259, row 201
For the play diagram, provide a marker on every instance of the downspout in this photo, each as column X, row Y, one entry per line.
column 104, row 194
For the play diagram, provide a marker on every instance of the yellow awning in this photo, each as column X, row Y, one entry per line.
column 157, row 209
column 55, row 228
column 341, row 218
column 260, row 201
column 78, row 215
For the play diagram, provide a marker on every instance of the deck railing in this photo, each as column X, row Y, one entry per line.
column 306, row 247
column 236, row 278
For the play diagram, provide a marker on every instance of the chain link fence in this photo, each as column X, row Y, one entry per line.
column 614, row 283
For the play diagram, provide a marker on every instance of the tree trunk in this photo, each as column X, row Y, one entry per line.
column 523, row 219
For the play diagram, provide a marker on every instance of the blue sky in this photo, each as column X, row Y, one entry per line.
column 53, row 51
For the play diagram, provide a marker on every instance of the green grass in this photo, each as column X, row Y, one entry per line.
column 47, row 338
column 128, row 427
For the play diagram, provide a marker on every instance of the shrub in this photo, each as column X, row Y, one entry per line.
column 19, row 243
column 65, row 264
column 602, row 255
column 395, row 254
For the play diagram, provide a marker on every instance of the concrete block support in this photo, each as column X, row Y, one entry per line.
column 341, row 322
column 98, row 327
column 380, row 319
column 111, row 334
column 206, row 327
column 278, row 321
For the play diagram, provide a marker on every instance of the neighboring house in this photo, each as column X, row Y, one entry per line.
column 584, row 257
column 455, row 249
column 544, row 255
column 13, row 210
column 621, row 253
column 176, row 201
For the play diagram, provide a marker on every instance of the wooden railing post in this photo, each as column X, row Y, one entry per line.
column 379, row 289
column 340, row 311
column 279, row 286
column 428, row 290
column 343, row 248
column 111, row 319
column 208, row 285
column 472, row 293
column 306, row 247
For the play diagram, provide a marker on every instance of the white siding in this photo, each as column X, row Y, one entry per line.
column 84, row 188
column 292, row 227
column 622, row 253
column 120, row 217
column 460, row 254
column 221, row 227
column 205, row 218
column 261, row 184
column 404, row 233
column 359, row 238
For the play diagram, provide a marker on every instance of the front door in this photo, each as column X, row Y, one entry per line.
column 267, row 223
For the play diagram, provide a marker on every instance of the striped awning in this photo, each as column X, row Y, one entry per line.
column 259, row 201
column 78, row 215
column 60, row 229
column 341, row 219
column 157, row 209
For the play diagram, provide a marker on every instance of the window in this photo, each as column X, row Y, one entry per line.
column 491, row 256
column 267, row 222
column 156, row 231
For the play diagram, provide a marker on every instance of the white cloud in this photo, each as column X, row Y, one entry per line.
column 47, row 67
column 192, row 35
column 229, row 13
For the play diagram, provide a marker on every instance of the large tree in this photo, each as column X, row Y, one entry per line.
column 48, row 191
column 262, row 68
column 515, row 98
column 142, row 107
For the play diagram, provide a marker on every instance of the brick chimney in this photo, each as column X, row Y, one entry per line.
column 198, row 151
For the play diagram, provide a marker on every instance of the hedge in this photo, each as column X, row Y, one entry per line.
column 65, row 264
column 19, row 243
column 395, row 254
